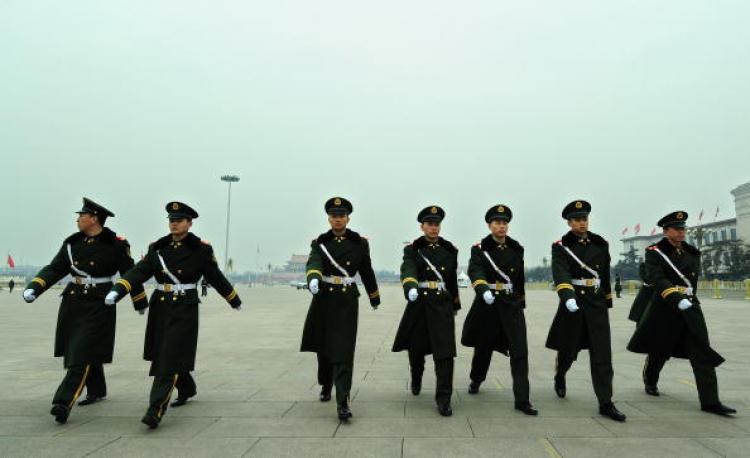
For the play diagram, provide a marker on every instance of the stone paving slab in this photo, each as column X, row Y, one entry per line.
column 257, row 394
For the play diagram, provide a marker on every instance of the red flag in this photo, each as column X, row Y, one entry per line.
column 700, row 217
column 637, row 228
column 653, row 231
column 625, row 231
column 11, row 262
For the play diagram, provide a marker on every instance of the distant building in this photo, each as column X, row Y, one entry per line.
column 706, row 234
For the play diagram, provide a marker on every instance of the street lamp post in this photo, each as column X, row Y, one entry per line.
column 229, row 179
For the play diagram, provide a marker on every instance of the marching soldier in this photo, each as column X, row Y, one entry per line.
column 85, row 335
column 496, row 320
column 177, row 262
column 429, row 279
column 581, row 273
column 11, row 286
column 673, row 324
column 331, row 325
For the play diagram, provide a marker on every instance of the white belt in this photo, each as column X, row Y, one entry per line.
column 588, row 282
column 169, row 287
column 500, row 287
column 335, row 280
column 91, row 280
column 431, row 285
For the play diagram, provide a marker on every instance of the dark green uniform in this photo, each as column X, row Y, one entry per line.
column 587, row 328
column 427, row 326
column 665, row 331
column 500, row 326
column 172, row 328
column 85, row 335
column 331, row 325
column 642, row 299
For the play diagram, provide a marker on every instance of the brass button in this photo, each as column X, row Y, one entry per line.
column 348, row 263
column 343, row 290
column 442, row 268
column 76, row 262
column 179, row 271
column 438, row 293
column 583, row 292
column 72, row 293
column 512, row 269
column 162, row 298
column 91, row 263
column 425, row 293
column 330, row 289
column 85, row 291
column 174, row 298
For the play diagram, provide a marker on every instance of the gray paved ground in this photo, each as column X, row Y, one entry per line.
column 257, row 393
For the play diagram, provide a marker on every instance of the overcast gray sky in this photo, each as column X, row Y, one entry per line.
column 640, row 107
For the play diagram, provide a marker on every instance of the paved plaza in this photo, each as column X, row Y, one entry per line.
column 257, row 394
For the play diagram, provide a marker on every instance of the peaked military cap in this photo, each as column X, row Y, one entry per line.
column 89, row 206
column 180, row 210
column 576, row 209
column 500, row 212
column 433, row 213
column 338, row 206
column 675, row 219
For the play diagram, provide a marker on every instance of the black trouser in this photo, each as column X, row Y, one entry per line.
column 339, row 374
column 705, row 377
column 96, row 383
column 72, row 385
column 161, row 392
column 519, row 370
column 185, row 386
column 443, row 375
column 601, row 372
column 513, row 322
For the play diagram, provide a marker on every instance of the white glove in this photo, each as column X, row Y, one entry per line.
column 684, row 304
column 314, row 288
column 142, row 312
column 489, row 298
column 572, row 305
column 238, row 308
column 111, row 298
column 29, row 295
column 374, row 307
column 413, row 294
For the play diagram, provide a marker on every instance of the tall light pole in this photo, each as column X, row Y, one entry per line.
column 229, row 179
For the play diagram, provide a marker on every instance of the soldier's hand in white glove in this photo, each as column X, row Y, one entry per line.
column 572, row 305
column 29, row 295
column 142, row 312
column 111, row 298
column 488, row 297
column 413, row 294
column 314, row 286
column 684, row 304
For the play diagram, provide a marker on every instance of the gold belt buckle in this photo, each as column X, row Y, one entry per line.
column 432, row 284
column 337, row 280
column 589, row 282
column 167, row 288
column 78, row 281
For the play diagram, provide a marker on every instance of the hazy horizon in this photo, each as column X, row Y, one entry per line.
column 639, row 108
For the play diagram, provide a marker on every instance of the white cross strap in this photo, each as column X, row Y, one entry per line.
column 166, row 270
column 677, row 271
column 578, row 260
column 437, row 272
column 348, row 279
column 509, row 288
column 73, row 266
